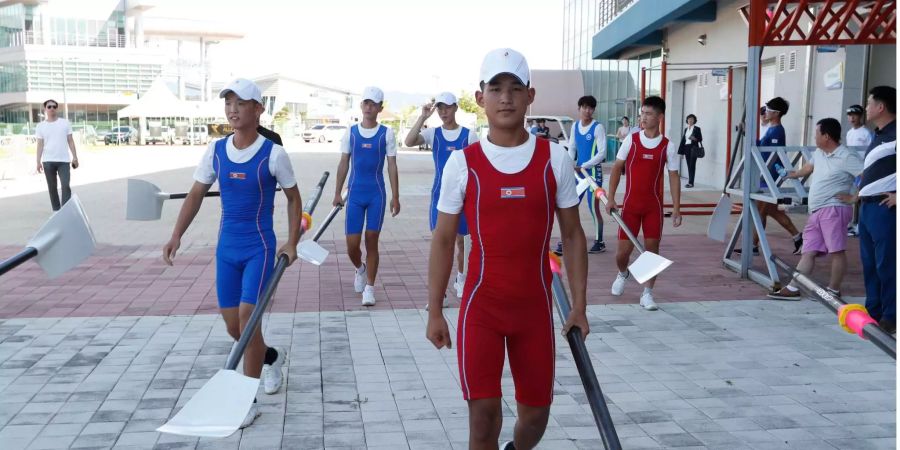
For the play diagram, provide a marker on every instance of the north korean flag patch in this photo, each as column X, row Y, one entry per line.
column 512, row 192
column 237, row 175
column 367, row 145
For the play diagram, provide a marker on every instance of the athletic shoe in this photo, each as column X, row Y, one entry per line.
column 368, row 297
column 755, row 251
column 272, row 373
column 360, row 279
column 598, row 247
column 798, row 245
column 785, row 293
column 689, row 185
column 558, row 250
column 445, row 304
column 251, row 416
column 647, row 301
column 834, row 293
column 508, row 445
column 853, row 231
column 618, row 286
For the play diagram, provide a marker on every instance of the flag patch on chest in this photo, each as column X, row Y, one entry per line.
column 366, row 145
column 450, row 148
column 648, row 155
column 237, row 175
column 512, row 192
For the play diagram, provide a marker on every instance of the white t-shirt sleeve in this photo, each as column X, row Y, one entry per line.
column 205, row 172
column 573, row 143
column 391, row 142
column 600, row 139
column 453, row 184
column 624, row 149
column 39, row 131
column 672, row 161
column 68, row 128
column 855, row 163
column 428, row 136
column 564, row 170
column 473, row 137
column 345, row 142
column 281, row 168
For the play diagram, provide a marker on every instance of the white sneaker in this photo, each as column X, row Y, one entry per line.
column 272, row 376
column 647, row 301
column 360, row 279
column 618, row 286
column 368, row 298
column 251, row 416
column 508, row 445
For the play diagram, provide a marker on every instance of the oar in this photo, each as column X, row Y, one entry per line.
column 648, row 264
column 721, row 216
column 583, row 362
column 310, row 250
column 60, row 244
column 219, row 407
column 145, row 199
column 852, row 317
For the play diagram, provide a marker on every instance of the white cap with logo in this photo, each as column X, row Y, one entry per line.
column 446, row 98
column 373, row 93
column 244, row 89
column 505, row 60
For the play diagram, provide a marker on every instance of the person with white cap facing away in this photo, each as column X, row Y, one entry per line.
column 509, row 185
column 450, row 136
column 364, row 149
column 248, row 167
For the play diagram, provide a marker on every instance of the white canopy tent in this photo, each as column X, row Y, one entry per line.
column 158, row 101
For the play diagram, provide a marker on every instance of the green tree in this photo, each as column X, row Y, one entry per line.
column 467, row 103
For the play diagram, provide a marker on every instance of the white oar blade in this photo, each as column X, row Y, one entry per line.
column 647, row 266
column 144, row 201
column 583, row 185
column 311, row 252
column 65, row 240
column 721, row 217
column 217, row 409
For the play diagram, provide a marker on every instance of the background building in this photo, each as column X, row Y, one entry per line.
column 697, row 37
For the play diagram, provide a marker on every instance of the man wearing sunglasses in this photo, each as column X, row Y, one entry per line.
column 54, row 141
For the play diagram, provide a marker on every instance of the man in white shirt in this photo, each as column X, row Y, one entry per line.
column 444, row 140
column 858, row 135
column 833, row 169
column 54, row 141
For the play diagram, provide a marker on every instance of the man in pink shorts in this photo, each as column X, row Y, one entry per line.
column 834, row 168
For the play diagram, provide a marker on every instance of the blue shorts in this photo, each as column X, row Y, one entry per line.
column 463, row 229
column 364, row 206
column 243, row 266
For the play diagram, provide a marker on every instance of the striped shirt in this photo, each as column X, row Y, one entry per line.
column 880, row 170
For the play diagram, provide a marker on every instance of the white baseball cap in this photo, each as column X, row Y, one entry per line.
column 373, row 93
column 244, row 89
column 505, row 60
column 446, row 98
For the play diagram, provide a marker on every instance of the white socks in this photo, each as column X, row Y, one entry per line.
column 361, row 269
column 648, row 290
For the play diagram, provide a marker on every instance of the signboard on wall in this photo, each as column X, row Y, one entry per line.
column 834, row 77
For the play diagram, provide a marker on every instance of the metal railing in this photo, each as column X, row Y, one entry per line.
column 22, row 38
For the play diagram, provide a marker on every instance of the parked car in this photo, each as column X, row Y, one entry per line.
column 324, row 132
column 197, row 134
column 162, row 134
column 121, row 135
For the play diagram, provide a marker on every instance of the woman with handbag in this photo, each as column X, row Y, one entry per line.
column 691, row 147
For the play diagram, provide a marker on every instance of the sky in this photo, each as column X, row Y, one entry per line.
column 412, row 46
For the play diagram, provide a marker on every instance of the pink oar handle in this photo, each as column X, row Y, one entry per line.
column 853, row 318
column 554, row 263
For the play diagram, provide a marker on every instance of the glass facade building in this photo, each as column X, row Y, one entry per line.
column 90, row 66
column 615, row 83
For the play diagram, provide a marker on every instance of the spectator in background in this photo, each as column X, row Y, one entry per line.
column 878, row 212
column 857, row 136
column 691, row 146
column 541, row 129
column 625, row 130
column 54, row 142
column 833, row 168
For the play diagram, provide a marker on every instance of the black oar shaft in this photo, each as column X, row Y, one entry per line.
column 13, row 262
column 311, row 205
column 586, row 371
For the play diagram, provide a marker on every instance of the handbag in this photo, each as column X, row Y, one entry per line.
column 699, row 150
